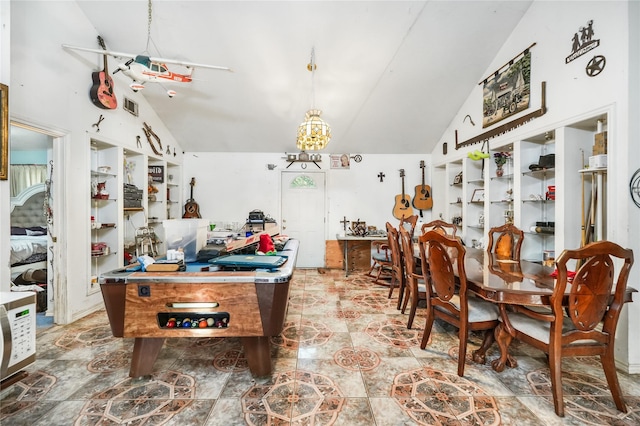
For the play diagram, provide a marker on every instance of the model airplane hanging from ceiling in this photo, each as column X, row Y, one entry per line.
column 141, row 68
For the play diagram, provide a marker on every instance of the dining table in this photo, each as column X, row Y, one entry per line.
column 508, row 282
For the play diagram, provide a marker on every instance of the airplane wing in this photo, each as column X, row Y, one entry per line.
column 100, row 51
column 188, row 64
column 152, row 59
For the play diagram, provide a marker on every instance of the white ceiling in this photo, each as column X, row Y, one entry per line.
column 390, row 74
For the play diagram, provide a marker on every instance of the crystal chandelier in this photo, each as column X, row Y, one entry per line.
column 313, row 133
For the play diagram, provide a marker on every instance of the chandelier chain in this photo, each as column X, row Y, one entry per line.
column 149, row 9
column 313, row 75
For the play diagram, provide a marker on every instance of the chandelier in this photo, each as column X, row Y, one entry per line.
column 313, row 133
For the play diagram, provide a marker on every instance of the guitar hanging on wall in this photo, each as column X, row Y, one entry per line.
column 191, row 208
column 422, row 200
column 101, row 92
column 402, row 208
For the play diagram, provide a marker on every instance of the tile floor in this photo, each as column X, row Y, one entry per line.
column 345, row 357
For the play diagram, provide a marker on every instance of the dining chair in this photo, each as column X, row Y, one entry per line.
column 586, row 326
column 381, row 260
column 448, row 299
column 397, row 266
column 414, row 282
column 505, row 241
column 445, row 228
column 409, row 223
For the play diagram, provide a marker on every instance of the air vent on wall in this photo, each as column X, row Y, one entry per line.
column 130, row 106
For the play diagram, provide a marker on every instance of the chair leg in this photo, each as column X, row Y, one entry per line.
column 392, row 285
column 406, row 300
column 373, row 266
column 555, row 374
column 427, row 328
column 463, row 335
column 609, row 366
column 412, row 311
column 401, row 293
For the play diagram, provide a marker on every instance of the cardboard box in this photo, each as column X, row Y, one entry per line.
column 598, row 161
column 600, row 144
column 188, row 234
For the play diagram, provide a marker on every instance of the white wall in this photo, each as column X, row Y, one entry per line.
column 572, row 94
column 230, row 185
column 49, row 89
column 242, row 181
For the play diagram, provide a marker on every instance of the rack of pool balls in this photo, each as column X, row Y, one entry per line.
column 201, row 322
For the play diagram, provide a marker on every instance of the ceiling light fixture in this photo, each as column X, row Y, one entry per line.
column 314, row 133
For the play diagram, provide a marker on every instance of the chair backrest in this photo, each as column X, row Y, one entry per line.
column 505, row 241
column 444, row 228
column 590, row 301
column 394, row 246
column 409, row 223
column 407, row 252
column 439, row 255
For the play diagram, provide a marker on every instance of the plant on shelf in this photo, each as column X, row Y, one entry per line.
column 501, row 159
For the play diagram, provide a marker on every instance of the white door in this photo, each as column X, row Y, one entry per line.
column 303, row 215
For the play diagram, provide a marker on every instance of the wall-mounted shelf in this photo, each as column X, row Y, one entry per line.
column 303, row 161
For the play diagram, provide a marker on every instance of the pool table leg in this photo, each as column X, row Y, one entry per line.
column 257, row 351
column 145, row 352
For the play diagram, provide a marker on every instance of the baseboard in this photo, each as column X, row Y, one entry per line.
column 81, row 314
column 628, row 368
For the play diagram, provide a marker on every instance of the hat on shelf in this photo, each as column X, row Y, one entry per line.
column 544, row 162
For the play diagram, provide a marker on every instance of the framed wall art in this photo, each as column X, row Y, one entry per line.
column 4, row 131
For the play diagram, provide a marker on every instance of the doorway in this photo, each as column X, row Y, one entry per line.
column 32, row 179
column 303, row 214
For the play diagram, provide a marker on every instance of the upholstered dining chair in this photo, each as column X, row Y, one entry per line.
column 381, row 260
column 505, row 241
column 414, row 282
column 445, row 228
column 447, row 296
column 587, row 325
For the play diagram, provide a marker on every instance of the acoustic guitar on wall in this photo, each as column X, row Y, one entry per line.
column 101, row 92
column 422, row 200
column 402, row 208
column 191, row 208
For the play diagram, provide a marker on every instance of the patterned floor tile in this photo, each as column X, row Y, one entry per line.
column 344, row 358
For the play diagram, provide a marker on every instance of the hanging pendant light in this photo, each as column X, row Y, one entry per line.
column 313, row 133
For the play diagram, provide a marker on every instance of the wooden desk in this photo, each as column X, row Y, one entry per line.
column 510, row 283
column 345, row 240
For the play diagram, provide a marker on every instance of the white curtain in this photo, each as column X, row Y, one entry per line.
column 25, row 175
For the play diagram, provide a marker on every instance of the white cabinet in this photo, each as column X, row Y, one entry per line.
column 125, row 201
column 106, row 231
column 549, row 204
column 474, row 200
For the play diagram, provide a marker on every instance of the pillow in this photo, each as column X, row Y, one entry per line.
column 31, row 231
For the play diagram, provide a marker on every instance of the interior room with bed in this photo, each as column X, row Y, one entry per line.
column 30, row 241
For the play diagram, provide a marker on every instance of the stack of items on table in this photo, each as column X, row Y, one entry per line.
column 132, row 196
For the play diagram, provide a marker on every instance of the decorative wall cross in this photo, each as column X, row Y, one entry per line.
column 381, row 176
column 344, row 222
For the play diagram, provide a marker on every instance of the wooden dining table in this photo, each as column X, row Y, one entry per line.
column 508, row 283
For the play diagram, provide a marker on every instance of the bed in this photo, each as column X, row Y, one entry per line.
column 29, row 237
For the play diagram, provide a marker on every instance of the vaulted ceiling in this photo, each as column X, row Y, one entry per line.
column 390, row 74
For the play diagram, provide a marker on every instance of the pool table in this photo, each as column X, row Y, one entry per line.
column 151, row 306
